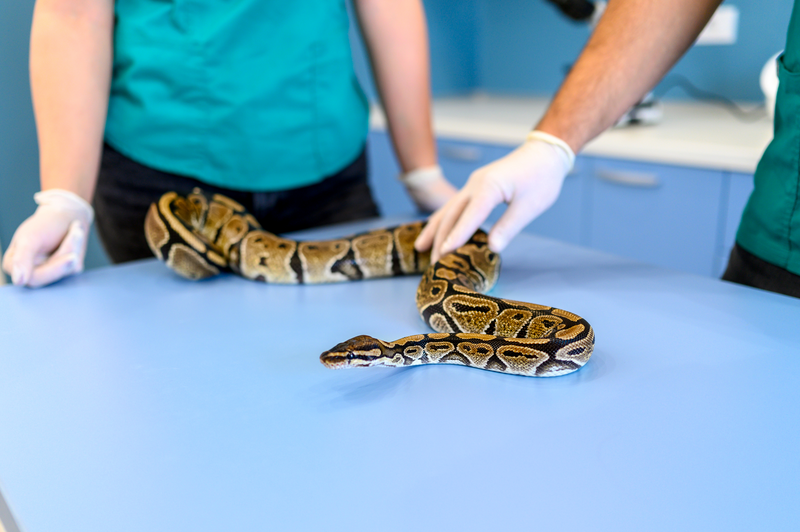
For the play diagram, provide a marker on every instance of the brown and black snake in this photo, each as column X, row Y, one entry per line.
column 200, row 236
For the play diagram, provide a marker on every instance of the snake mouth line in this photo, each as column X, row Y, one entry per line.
column 333, row 361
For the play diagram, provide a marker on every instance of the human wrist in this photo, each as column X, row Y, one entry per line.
column 563, row 149
column 64, row 200
column 421, row 176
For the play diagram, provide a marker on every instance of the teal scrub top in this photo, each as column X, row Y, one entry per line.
column 770, row 226
column 255, row 95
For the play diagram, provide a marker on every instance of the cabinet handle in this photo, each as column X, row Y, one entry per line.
column 468, row 154
column 629, row 179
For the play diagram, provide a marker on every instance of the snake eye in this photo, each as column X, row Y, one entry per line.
column 350, row 355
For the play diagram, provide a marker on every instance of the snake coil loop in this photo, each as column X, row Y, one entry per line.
column 200, row 236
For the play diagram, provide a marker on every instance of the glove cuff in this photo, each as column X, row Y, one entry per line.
column 565, row 150
column 67, row 201
column 421, row 176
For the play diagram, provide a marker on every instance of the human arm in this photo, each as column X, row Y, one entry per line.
column 70, row 69
column 397, row 41
column 635, row 43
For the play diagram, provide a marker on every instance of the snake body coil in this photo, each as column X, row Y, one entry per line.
column 200, row 237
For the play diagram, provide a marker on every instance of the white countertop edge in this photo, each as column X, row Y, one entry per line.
column 692, row 134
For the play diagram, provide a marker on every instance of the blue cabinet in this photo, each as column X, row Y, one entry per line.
column 672, row 216
column 458, row 160
column 665, row 215
column 565, row 219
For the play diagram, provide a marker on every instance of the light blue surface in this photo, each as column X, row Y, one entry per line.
column 131, row 399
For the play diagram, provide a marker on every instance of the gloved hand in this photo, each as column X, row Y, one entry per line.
column 428, row 188
column 529, row 179
column 51, row 244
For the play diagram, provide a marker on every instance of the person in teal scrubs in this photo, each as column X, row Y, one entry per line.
column 634, row 44
column 255, row 99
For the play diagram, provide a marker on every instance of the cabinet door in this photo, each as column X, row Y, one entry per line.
column 561, row 222
column 660, row 214
column 458, row 160
column 734, row 200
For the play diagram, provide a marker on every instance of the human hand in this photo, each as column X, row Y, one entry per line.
column 428, row 188
column 528, row 179
column 51, row 244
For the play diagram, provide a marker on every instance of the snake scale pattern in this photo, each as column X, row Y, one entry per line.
column 200, row 236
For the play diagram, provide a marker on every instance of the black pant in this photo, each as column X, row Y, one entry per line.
column 747, row 269
column 125, row 190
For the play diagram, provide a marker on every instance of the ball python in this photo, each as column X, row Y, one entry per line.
column 200, row 236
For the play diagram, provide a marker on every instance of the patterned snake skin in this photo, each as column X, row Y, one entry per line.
column 200, row 237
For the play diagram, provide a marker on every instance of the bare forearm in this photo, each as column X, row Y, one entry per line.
column 633, row 46
column 70, row 65
column 397, row 40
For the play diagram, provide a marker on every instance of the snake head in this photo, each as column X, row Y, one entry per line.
column 361, row 351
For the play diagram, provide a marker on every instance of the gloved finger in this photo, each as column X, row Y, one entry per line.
column 514, row 220
column 451, row 212
column 425, row 240
column 475, row 213
column 425, row 237
column 21, row 262
column 55, row 268
column 9, row 257
column 67, row 259
column 74, row 241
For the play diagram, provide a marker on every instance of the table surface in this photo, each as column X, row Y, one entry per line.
column 131, row 399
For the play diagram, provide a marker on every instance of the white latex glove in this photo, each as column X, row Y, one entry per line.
column 51, row 244
column 529, row 179
column 428, row 188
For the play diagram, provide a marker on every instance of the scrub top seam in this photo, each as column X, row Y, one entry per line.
column 794, row 211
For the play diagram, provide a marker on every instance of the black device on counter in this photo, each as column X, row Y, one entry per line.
column 575, row 9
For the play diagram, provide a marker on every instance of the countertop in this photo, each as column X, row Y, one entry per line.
column 132, row 399
column 698, row 135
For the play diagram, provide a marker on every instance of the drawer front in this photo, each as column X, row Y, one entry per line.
column 659, row 214
column 459, row 159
